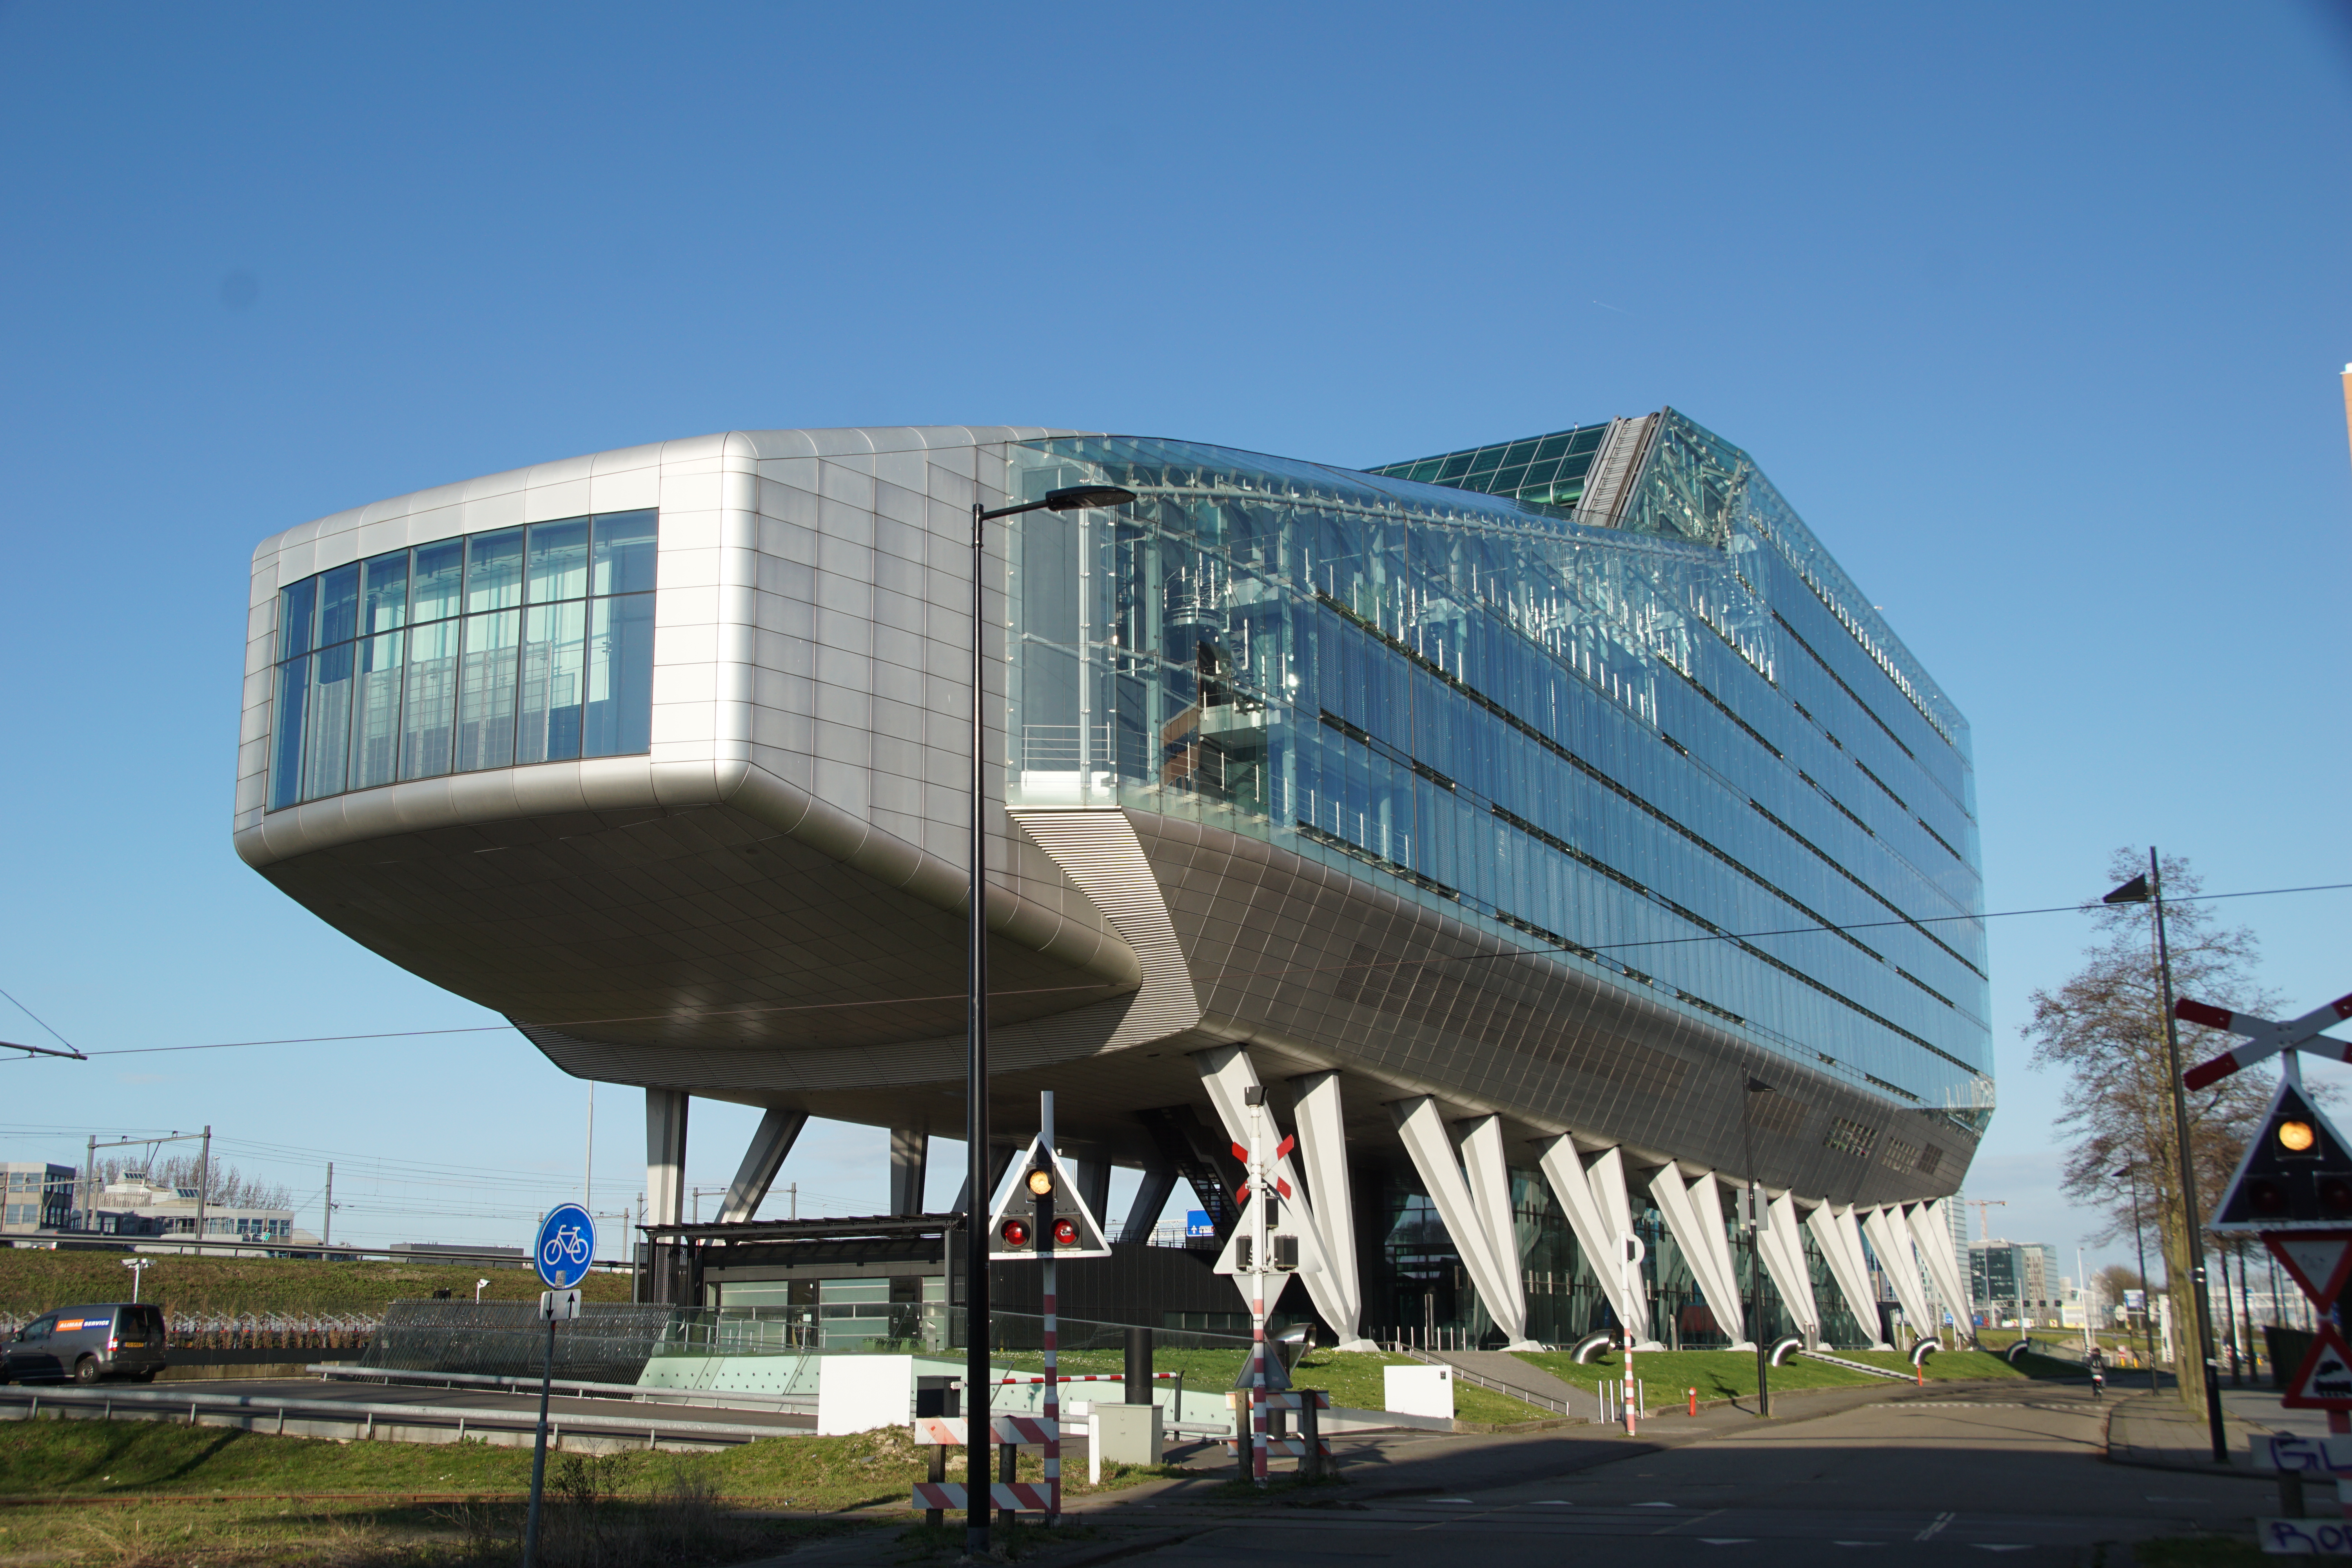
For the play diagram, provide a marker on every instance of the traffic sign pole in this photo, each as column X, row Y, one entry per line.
column 561, row 1252
column 1261, row 1192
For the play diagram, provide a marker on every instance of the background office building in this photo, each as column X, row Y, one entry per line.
column 1551, row 827
column 39, row 1197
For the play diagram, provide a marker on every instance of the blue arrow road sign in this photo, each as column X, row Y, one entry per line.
column 567, row 1240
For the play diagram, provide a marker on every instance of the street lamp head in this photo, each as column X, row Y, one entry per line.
column 1077, row 497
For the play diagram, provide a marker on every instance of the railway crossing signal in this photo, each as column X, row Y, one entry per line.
column 2265, row 1037
column 2296, row 1176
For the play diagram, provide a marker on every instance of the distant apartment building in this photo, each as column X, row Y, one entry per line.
column 39, row 1197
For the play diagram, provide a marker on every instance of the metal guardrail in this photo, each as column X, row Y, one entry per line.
column 1493, row 1385
column 719, row 1398
column 353, row 1412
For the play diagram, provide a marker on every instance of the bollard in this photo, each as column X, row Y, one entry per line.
column 1310, row 1429
column 1694, row 1392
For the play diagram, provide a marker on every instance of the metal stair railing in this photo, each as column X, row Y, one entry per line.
column 1493, row 1385
column 1854, row 1365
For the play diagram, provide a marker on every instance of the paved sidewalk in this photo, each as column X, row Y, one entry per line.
column 2160, row 1431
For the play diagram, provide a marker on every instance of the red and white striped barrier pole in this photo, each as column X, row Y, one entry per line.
column 1261, row 1190
column 1052, row 1405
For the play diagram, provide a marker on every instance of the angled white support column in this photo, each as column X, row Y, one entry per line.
column 1323, row 1159
column 1931, row 1230
column 1783, row 1252
column 664, row 1156
column 1226, row 1073
column 910, row 1156
column 1593, row 1198
column 1430, row 1143
column 1158, row 1184
column 1839, row 1239
column 777, row 1132
column 1483, row 1162
column 1694, row 1215
column 1890, row 1238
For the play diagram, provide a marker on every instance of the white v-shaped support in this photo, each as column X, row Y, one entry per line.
column 1227, row 1073
column 1694, row 1215
column 1783, row 1252
column 1430, row 1143
column 1593, row 1198
column 1323, row 1156
column 1931, row 1228
column 1840, row 1243
column 1890, row 1238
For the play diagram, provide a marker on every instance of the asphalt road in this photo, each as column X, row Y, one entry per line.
column 2010, row 1472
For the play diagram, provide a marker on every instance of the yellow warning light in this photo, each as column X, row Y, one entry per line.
column 1041, row 1181
column 2295, row 1137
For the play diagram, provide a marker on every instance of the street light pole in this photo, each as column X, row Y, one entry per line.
column 1073, row 498
column 1755, row 1251
column 2200, row 1304
column 2139, row 1238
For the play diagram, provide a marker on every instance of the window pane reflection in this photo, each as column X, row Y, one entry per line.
column 431, row 709
column 620, row 676
column 494, row 570
column 555, row 650
column 559, row 561
column 383, row 597
column 486, row 692
column 413, row 663
column 433, row 587
column 375, row 745
column 625, row 553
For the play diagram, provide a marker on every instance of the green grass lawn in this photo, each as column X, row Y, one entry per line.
column 34, row 1281
column 686, row 1507
column 1667, row 1375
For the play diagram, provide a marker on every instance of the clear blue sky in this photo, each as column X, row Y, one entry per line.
column 2034, row 311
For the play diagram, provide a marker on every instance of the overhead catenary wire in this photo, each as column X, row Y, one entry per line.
column 1513, row 953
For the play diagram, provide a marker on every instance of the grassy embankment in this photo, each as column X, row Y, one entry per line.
column 450, row 1503
column 34, row 1281
column 1667, row 1375
column 1351, row 1378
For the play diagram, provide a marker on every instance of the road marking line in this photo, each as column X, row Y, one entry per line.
column 1727, row 1540
column 1857, row 1543
column 1929, row 1533
column 1999, row 1546
column 1652, row 1505
column 1449, row 1499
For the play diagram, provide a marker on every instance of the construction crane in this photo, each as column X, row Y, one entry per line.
column 1984, row 1220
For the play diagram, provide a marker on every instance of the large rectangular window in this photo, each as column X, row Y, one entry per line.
column 517, row 645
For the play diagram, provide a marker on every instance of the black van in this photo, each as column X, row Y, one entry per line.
column 111, row 1339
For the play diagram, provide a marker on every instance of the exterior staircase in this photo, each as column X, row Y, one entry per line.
column 1502, row 1373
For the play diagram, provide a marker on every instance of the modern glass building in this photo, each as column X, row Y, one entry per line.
column 1553, row 824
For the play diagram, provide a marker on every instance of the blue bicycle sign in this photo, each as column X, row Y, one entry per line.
column 567, row 1240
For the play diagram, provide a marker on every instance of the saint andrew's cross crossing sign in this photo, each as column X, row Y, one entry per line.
column 2265, row 1037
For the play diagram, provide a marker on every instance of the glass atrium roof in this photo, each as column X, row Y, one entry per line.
column 1539, row 470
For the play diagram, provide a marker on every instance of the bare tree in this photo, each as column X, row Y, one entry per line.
column 226, row 1186
column 2105, row 1029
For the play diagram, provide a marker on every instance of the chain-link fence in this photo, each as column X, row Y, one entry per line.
column 606, row 1343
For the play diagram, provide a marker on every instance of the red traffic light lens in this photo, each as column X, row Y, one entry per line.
column 1015, row 1233
column 2336, row 1195
column 1066, row 1233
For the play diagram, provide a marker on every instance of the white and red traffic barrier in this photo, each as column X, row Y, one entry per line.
column 1020, row 1497
column 954, row 1431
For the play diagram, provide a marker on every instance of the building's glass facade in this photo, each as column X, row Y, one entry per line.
column 518, row 645
column 1679, row 751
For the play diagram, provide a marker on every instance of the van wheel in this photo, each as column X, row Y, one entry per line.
column 85, row 1370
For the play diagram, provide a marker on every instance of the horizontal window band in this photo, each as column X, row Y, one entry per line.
column 1471, row 693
